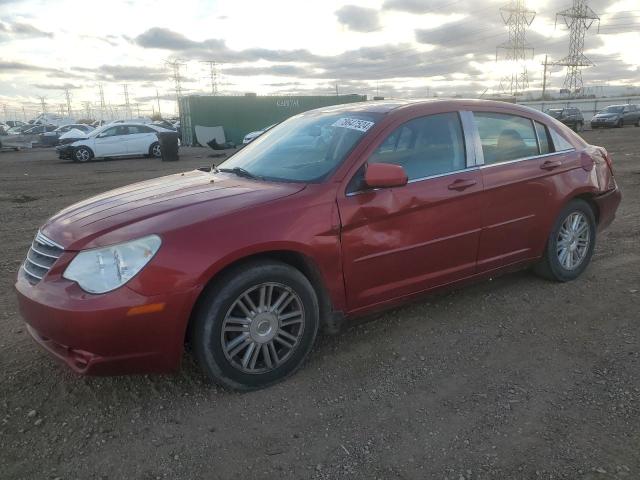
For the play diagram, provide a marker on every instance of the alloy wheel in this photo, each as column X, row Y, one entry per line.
column 572, row 243
column 83, row 155
column 157, row 152
column 263, row 327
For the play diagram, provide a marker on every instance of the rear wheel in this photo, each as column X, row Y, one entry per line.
column 256, row 326
column 570, row 245
column 82, row 155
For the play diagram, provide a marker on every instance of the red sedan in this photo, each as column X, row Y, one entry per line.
column 334, row 213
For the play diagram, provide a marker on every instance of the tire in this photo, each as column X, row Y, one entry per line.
column 555, row 263
column 225, row 320
column 620, row 123
column 155, row 151
column 579, row 127
column 637, row 124
column 82, row 155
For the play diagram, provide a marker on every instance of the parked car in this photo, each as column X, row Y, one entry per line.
column 570, row 116
column 114, row 140
column 617, row 116
column 38, row 129
column 52, row 138
column 251, row 136
column 14, row 123
column 334, row 213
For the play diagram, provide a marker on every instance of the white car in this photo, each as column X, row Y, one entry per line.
column 119, row 140
column 251, row 136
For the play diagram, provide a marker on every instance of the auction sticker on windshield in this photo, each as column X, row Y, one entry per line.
column 354, row 124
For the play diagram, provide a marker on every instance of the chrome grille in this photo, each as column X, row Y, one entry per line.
column 40, row 258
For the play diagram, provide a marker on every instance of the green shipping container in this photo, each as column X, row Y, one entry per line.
column 243, row 114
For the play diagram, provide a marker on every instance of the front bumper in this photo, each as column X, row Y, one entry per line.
column 604, row 122
column 65, row 151
column 107, row 334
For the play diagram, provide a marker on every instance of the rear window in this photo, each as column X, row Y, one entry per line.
column 559, row 143
column 505, row 137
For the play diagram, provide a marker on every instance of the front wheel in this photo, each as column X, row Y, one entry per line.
column 579, row 127
column 620, row 123
column 82, row 155
column 155, row 150
column 256, row 325
column 570, row 245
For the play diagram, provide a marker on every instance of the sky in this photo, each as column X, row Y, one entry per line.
column 391, row 48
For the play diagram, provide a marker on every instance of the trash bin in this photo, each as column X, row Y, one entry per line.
column 168, row 146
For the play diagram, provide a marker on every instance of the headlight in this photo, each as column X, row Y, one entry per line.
column 101, row 270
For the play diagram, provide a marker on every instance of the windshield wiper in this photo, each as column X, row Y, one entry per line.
column 241, row 172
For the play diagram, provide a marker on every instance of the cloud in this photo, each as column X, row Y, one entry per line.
column 434, row 6
column 121, row 73
column 47, row 86
column 358, row 19
column 18, row 30
column 279, row 70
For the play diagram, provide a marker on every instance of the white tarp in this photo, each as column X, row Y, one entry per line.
column 205, row 134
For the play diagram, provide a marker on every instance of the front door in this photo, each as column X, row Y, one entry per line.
column 111, row 142
column 400, row 241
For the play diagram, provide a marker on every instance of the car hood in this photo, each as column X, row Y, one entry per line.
column 605, row 115
column 91, row 223
column 74, row 133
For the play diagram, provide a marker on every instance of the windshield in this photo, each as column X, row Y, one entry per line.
column 613, row 109
column 555, row 113
column 304, row 148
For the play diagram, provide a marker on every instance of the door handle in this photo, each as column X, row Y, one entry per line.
column 551, row 164
column 460, row 184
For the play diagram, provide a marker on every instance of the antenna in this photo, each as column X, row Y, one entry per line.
column 578, row 19
column 517, row 18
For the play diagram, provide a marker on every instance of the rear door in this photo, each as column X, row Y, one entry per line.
column 400, row 241
column 519, row 173
column 139, row 139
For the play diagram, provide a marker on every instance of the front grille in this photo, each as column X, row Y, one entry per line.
column 40, row 258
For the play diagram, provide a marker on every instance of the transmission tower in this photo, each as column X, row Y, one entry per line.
column 87, row 109
column 67, row 95
column 517, row 18
column 175, row 67
column 213, row 75
column 43, row 104
column 102, row 104
column 126, row 100
column 578, row 19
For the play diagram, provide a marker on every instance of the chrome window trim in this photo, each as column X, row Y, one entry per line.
column 475, row 156
column 526, row 158
column 415, row 180
column 41, row 238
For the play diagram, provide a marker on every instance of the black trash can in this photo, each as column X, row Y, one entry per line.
column 168, row 146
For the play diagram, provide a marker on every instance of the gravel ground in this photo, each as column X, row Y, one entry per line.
column 513, row 378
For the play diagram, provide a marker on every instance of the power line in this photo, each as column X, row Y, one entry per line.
column 578, row 19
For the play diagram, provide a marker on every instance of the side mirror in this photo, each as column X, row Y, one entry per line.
column 385, row 175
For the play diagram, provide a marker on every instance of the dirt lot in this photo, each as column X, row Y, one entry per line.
column 513, row 378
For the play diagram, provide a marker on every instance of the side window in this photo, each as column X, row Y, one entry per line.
column 133, row 129
column 505, row 137
column 109, row 132
column 559, row 143
column 425, row 146
column 543, row 139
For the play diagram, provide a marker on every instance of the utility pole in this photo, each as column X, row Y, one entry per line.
column 43, row 104
column 158, row 100
column 137, row 108
column 4, row 109
column 337, row 89
column 102, row 104
column 24, row 114
column 544, row 78
column 517, row 18
column 175, row 67
column 67, row 94
column 213, row 75
column 578, row 19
